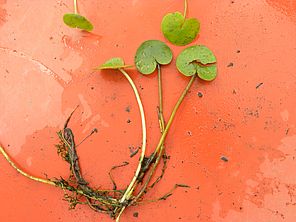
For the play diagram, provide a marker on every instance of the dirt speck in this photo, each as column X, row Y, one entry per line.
column 133, row 150
column 259, row 85
column 128, row 109
column 230, row 64
column 224, row 158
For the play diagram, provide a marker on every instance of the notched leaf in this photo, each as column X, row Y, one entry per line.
column 150, row 53
column 113, row 63
column 179, row 30
column 198, row 60
column 77, row 21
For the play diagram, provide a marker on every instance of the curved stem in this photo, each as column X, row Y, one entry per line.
column 75, row 7
column 131, row 187
column 22, row 172
column 185, row 8
column 49, row 182
column 162, row 128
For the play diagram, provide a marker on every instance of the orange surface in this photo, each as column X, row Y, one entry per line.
column 46, row 70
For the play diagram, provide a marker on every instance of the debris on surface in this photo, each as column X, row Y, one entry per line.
column 260, row 84
column 224, row 158
column 199, row 94
column 230, row 64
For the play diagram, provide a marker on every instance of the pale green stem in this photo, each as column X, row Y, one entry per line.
column 22, row 172
column 162, row 128
column 45, row 181
column 131, row 187
column 185, row 8
column 161, row 119
column 75, row 7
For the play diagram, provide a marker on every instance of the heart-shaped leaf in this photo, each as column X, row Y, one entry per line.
column 114, row 63
column 77, row 21
column 198, row 60
column 150, row 53
column 178, row 30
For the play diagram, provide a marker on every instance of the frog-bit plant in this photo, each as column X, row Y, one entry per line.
column 193, row 61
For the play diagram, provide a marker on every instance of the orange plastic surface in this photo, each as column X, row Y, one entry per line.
column 247, row 115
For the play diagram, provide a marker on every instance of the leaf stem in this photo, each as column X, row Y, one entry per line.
column 75, row 7
column 160, row 96
column 185, row 8
column 22, row 172
column 180, row 100
column 162, row 128
column 159, row 149
column 131, row 187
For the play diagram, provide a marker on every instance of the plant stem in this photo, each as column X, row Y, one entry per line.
column 180, row 100
column 185, row 8
column 131, row 187
column 162, row 128
column 75, row 7
column 160, row 147
column 160, row 97
column 22, row 172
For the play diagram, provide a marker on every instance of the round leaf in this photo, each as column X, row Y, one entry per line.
column 77, row 21
column 178, row 30
column 198, row 60
column 114, row 63
column 151, row 53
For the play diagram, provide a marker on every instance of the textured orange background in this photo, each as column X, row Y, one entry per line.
column 46, row 70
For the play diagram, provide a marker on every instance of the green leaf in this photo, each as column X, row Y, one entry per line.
column 114, row 63
column 77, row 21
column 150, row 53
column 178, row 30
column 198, row 60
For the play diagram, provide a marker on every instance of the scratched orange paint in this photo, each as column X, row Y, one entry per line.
column 246, row 115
